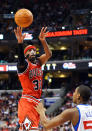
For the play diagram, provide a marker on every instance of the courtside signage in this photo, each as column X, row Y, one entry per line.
column 69, row 66
column 53, row 66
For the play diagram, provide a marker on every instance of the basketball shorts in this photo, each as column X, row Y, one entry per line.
column 28, row 116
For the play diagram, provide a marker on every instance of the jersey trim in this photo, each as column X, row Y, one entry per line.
column 77, row 125
column 31, row 98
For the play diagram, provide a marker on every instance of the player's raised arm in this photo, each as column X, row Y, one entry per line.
column 42, row 37
column 22, row 64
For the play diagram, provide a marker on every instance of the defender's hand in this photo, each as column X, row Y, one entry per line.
column 40, row 108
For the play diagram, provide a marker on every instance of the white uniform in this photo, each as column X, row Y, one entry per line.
column 85, row 118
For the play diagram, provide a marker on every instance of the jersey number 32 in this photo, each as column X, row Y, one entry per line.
column 37, row 84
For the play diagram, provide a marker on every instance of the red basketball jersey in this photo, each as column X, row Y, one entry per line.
column 31, row 80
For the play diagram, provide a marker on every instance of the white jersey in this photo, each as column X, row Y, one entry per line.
column 85, row 118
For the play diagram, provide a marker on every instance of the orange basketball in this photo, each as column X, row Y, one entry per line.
column 23, row 17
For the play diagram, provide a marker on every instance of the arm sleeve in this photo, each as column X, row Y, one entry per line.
column 22, row 63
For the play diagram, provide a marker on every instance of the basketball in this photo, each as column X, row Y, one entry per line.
column 23, row 17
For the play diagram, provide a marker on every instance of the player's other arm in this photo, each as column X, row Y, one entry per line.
column 66, row 115
column 22, row 64
column 42, row 37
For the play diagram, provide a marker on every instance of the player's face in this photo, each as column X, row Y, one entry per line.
column 75, row 96
column 32, row 52
column 31, row 55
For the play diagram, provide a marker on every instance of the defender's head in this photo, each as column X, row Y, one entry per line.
column 30, row 53
column 81, row 94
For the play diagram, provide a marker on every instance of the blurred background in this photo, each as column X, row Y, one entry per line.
column 69, row 23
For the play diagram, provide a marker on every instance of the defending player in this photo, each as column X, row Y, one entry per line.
column 80, row 116
column 30, row 76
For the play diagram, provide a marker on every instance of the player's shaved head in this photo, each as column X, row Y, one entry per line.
column 85, row 92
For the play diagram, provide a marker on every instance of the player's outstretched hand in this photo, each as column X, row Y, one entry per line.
column 18, row 33
column 43, row 33
column 40, row 108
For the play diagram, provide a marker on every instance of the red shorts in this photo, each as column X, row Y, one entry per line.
column 28, row 117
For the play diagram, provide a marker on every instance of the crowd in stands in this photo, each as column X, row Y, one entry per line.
column 8, row 113
column 82, row 52
column 12, row 82
column 46, row 13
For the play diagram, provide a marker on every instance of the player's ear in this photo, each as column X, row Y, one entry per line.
column 78, row 96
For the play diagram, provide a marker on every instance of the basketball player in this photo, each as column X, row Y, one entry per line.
column 30, row 76
column 80, row 116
